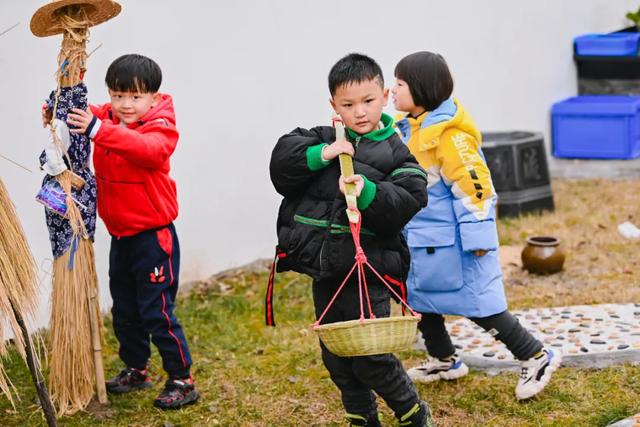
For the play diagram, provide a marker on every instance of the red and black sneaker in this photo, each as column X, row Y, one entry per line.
column 177, row 393
column 129, row 379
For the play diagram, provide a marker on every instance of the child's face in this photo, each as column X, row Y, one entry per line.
column 360, row 104
column 129, row 107
column 402, row 99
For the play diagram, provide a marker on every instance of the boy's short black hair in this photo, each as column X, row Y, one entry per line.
column 354, row 68
column 428, row 77
column 134, row 73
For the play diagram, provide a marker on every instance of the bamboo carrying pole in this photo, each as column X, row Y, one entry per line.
column 346, row 169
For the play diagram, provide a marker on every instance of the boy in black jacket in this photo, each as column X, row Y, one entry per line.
column 313, row 229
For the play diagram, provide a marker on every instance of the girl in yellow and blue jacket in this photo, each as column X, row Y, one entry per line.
column 454, row 241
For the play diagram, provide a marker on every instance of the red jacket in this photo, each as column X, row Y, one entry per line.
column 135, row 191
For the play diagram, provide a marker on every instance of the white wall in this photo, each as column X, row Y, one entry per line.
column 244, row 72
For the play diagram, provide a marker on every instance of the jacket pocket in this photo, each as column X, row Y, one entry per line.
column 118, row 199
column 436, row 261
column 305, row 240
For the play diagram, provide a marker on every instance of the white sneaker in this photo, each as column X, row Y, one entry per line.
column 536, row 372
column 434, row 369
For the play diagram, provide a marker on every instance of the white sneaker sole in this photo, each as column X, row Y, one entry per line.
column 417, row 376
column 553, row 366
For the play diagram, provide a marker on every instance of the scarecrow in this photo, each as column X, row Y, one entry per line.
column 69, row 194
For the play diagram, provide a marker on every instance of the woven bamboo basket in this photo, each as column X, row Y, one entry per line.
column 368, row 337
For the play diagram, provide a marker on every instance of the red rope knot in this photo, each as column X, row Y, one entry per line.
column 361, row 258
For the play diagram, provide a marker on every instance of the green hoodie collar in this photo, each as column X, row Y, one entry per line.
column 378, row 134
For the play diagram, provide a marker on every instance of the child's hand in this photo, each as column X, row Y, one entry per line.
column 47, row 115
column 480, row 252
column 81, row 119
column 331, row 151
column 353, row 179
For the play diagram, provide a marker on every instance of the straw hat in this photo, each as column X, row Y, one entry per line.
column 45, row 22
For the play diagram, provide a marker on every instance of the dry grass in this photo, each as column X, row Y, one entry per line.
column 250, row 375
column 18, row 285
column 601, row 265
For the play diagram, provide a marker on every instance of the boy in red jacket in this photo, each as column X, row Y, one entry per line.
column 134, row 137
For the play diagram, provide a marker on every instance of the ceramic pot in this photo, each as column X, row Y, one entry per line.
column 543, row 255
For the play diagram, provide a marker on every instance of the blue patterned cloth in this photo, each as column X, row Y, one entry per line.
column 79, row 154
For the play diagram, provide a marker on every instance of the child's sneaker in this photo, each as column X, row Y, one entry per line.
column 129, row 379
column 434, row 369
column 418, row 416
column 536, row 372
column 177, row 393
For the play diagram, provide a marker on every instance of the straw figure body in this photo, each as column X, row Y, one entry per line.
column 75, row 347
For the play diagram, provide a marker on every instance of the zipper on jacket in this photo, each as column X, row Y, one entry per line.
column 358, row 138
column 321, row 250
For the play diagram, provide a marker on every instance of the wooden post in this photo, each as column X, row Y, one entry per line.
column 36, row 374
column 96, row 340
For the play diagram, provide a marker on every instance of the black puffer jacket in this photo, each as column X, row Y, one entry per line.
column 312, row 227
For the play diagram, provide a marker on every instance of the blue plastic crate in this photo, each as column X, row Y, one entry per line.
column 612, row 44
column 596, row 127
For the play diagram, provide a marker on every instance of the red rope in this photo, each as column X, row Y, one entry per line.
column 361, row 261
column 366, row 290
column 404, row 303
column 335, row 295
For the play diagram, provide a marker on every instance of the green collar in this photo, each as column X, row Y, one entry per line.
column 378, row 134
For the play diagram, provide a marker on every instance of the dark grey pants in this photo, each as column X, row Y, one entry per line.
column 358, row 377
column 503, row 326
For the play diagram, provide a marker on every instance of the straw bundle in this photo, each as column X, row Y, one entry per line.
column 18, row 284
column 73, row 49
column 74, row 296
column 72, row 374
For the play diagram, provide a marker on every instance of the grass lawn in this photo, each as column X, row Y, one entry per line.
column 250, row 375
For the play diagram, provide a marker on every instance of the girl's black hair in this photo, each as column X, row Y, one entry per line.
column 354, row 68
column 134, row 73
column 428, row 77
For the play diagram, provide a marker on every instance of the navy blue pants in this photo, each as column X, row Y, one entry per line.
column 143, row 279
